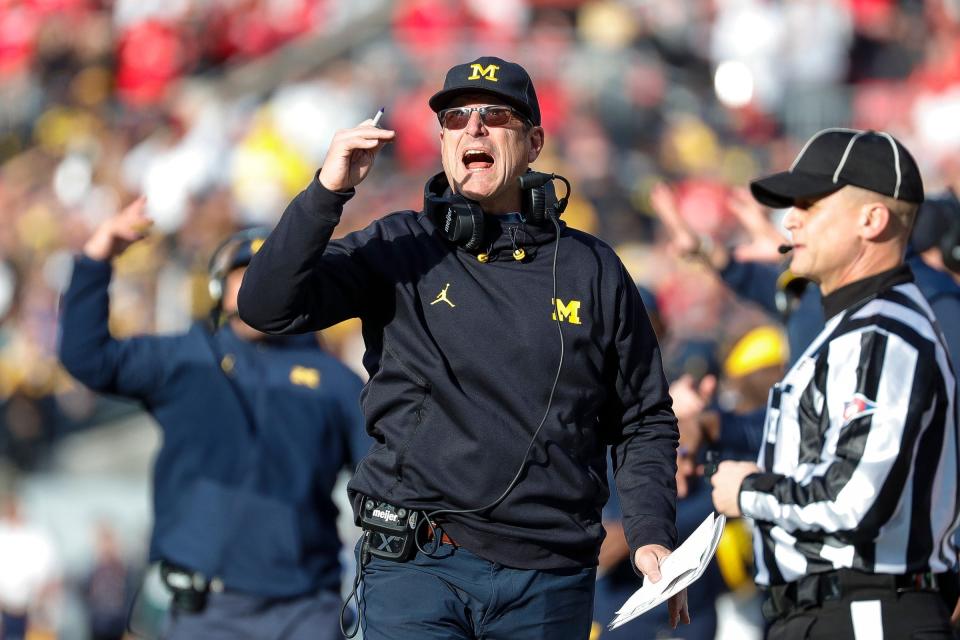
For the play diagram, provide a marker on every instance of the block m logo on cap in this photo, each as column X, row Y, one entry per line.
column 488, row 72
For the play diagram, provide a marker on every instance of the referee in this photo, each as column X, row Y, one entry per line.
column 855, row 496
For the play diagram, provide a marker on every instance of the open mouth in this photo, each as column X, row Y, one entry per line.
column 477, row 160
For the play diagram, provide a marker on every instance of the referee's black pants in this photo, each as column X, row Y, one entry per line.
column 849, row 604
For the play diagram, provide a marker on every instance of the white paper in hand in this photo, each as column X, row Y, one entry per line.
column 680, row 569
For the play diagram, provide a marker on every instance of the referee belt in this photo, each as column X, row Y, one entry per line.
column 814, row 590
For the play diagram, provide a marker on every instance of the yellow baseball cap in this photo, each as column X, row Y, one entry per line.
column 763, row 347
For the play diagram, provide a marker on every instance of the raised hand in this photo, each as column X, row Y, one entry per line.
column 351, row 155
column 689, row 403
column 690, row 400
column 683, row 239
column 115, row 234
column 764, row 237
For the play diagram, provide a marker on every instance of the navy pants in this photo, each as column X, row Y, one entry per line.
column 454, row 594
column 235, row 616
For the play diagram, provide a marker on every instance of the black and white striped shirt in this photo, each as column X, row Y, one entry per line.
column 860, row 452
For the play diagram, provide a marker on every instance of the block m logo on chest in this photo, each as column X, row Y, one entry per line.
column 566, row 312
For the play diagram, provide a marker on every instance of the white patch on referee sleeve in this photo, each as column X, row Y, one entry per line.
column 867, row 620
column 840, row 556
column 791, row 563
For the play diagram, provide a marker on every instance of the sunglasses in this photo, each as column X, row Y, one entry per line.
column 492, row 116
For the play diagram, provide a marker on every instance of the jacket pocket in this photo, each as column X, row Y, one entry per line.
column 395, row 402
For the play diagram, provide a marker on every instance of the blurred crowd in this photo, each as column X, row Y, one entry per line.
column 219, row 111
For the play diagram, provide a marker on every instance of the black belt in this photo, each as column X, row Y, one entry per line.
column 813, row 590
column 444, row 538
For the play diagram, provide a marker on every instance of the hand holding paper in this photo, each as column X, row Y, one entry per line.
column 648, row 559
column 677, row 571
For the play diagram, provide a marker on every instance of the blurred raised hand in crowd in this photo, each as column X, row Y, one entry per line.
column 691, row 401
column 761, row 244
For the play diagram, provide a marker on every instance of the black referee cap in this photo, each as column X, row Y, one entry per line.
column 506, row 80
column 835, row 158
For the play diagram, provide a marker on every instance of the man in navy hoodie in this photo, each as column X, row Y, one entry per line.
column 255, row 431
column 506, row 353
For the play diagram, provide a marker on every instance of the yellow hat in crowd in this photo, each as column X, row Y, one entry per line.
column 760, row 348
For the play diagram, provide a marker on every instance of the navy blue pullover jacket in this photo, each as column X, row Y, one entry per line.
column 254, row 435
column 462, row 356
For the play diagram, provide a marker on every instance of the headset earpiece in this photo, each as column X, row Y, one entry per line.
column 216, row 271
column 950, row 240
column 950, row 247
column 540, row 202
column 458, row 219
column 215, row 289
column 536, row 202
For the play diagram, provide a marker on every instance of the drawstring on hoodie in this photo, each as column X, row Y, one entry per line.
column 518, row 252
column 516, row 231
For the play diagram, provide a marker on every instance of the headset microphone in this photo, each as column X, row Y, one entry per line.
column 785, row 248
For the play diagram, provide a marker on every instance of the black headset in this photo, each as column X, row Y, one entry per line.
column 460, row 220
column 233, row 252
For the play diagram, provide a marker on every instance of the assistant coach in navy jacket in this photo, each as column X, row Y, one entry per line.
column 476, row 407
column 255, row 431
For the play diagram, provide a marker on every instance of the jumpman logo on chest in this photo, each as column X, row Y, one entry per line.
column 442, row 297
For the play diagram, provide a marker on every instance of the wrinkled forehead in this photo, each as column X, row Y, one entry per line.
column 476, row 99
